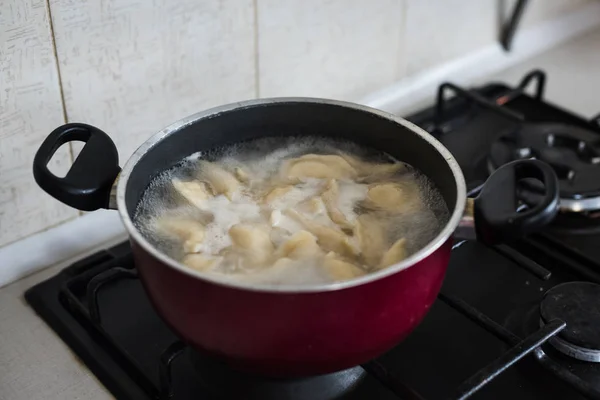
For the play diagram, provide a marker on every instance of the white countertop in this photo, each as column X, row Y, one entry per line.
column 36, row 364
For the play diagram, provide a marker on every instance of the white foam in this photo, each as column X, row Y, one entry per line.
column 350, row 193
column 226, row 214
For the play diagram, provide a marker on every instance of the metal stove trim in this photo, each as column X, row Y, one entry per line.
column 572, row 350
column 568, row 205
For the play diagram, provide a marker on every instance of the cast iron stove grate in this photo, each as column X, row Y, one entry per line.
column 494, row 124
column 469, row 125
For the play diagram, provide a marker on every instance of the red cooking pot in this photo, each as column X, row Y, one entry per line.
column 294, row 330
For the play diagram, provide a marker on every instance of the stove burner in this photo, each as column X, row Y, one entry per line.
column 578, row 304
column 573, row 152
column 225, row 382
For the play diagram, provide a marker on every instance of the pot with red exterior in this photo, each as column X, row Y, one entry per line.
column 305, row 329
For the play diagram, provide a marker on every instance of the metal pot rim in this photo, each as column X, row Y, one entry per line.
column 431, row 247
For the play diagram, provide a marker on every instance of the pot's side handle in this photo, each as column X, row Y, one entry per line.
column 493, row 216
column 87, row 185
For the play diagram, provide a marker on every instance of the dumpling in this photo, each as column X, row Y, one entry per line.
column 319, row 166
column 395, row 197
column 370, row 232
column 253, row 242
column 340, row 270
column 276, row 193
column 330, row 198
column 330, row 239
column 219, row 180
column 248, row 237
column 395, row 254
column 194, row 243
column 302, row 244
column 241, row 175
column 373, row 171
column 200, row 262
column 193, row 191
column 278, row 273
column 189, row 231
column 312, row 206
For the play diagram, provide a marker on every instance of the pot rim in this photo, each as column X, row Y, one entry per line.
column 432, row 246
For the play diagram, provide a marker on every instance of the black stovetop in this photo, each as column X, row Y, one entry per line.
column 485, row 318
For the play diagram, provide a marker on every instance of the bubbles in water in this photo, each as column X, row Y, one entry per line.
column 261, row 188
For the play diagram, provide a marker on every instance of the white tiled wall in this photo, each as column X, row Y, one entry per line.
column 30, row 107
column 335, row 48
column 440, row 30
column 133, row 66
column 437, row 31
column 541, row 10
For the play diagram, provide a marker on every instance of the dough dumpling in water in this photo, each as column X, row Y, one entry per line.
column 219, row 180
column 371, row 235
column 194, row 192
column 253, row 242
column 371, row 170
column 330, row 198
column 395, row 254
column 339, row 269
column 302, row 244
column 395, row 197
column 200, row 262
column 241, row 175
column 276, row 193
column 189, row 231
column 330, row 239
column 313, row 206
column 319, row 166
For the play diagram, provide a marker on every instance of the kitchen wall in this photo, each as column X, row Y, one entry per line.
column 133, row 66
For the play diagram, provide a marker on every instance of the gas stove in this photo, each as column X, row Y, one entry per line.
column 519, row 321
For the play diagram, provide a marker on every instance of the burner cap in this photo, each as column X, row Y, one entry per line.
column 573, row 153
column 578, row 304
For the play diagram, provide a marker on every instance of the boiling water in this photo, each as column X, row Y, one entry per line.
column 259, row 164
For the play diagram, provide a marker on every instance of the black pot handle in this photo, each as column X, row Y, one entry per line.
column 88, row 183
column 495, row 208
column 493, row 213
